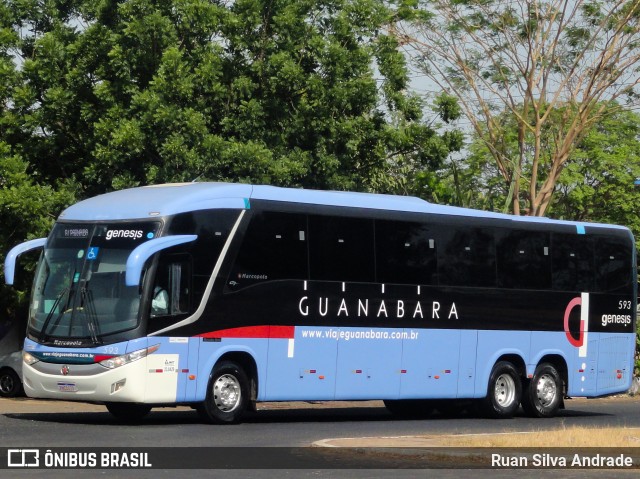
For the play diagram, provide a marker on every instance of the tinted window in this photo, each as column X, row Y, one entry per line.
column 405, row 253
column 213, row 228
column 466, row 257
column 572, row 262
column 613, row 264
column 171, row 291
column 274, row 247
column 523, row 259
column 341, row 249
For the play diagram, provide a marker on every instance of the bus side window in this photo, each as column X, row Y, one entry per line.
column 213, row 228
column 274, row 247
column 467, row 257
column 523, row 259
column 171, row 291
column 405, row 253
column 613, row 257
column 341, row 249
column 572, row 259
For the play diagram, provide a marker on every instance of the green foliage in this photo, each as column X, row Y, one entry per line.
column 447, row 107
column 109, row 94
column 272, row 91
column 27, row 211
column 529, row 58
column 596, row 184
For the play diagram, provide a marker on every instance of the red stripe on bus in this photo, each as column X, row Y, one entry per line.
column 278, row 332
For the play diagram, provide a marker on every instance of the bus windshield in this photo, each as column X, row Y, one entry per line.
column 79, row 290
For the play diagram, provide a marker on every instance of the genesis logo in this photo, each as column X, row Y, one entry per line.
column 132, row 234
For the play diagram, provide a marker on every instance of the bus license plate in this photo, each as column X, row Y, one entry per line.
column 67, row 387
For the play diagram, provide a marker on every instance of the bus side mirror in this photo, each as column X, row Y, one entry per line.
column 142, row 253
column 10, row 260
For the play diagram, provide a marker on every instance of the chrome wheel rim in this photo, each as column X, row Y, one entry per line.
column 546, row 390
column 505, row 390
column 226, row 393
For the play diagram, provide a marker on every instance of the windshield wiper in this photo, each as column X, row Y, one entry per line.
column 43, row 334
column 90, row 312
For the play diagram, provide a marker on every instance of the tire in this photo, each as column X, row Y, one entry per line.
column 128, row 412
column 415, row 408
column 228, row 395
column 10, row 383
column 542, row 396
column 504, row 391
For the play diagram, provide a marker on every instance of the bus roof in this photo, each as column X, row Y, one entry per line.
column 170, row 199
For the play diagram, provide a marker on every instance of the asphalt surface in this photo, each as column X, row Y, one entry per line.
column 362, row 456
column 29, row 406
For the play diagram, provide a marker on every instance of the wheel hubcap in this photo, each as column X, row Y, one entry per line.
column 546, row 390
column 505, row 390
column 6, row 384
column 226, row 393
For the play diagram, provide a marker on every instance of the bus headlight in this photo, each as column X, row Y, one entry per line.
column 29, row 358
column 118, row 361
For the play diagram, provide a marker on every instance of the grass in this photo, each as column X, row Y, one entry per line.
column 565, row 437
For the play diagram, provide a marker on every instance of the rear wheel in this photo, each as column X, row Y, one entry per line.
column 504, row 391
column 543, row 394
column 227, row 394
column 128, row 412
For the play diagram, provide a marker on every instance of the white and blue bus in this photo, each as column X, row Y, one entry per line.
column 219, row 296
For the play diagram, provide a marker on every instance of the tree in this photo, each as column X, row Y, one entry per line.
column 102, row 95
column 301, row 93
column 542, row 65
column 596, row 185
column 27, row 210
column 598, row 182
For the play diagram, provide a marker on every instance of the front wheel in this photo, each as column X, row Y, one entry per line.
column 227, row 394
column 503, row 391
column 10, row 384
column 543, row 393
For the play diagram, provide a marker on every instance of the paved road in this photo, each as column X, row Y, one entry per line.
column 45, row 423
column 35, row 423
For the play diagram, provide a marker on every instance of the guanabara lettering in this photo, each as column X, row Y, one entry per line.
column 365, row 308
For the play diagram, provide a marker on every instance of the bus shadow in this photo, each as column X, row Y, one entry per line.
column 169, row 416
column 158, row 417
column 356, row 414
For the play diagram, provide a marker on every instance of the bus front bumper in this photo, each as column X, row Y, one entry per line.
column 92, row 383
